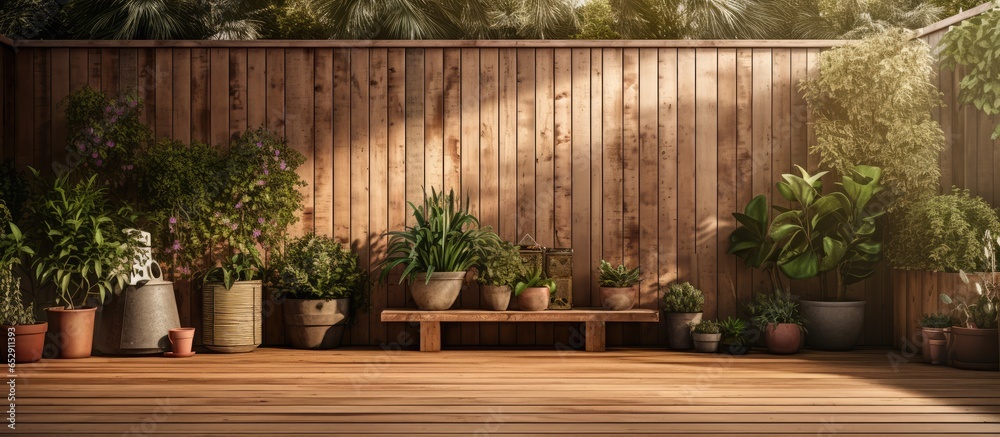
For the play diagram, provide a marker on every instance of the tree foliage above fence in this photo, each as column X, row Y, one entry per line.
column 975, row 45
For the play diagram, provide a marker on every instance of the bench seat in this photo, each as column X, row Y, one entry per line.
column 594, row 320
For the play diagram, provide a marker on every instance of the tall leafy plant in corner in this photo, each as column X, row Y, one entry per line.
column 975, row 45
column 872, row 102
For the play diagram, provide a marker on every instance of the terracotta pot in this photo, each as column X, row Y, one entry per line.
column 974, row 349
column 534, row 299
column 679, row 329
column 619, row 298
column 439, row 292
column 316, row 323
column 29, row 341
column 938, row 351
column 936, row 334
column 495, row 297
column 72, row 331
column 181, row 340
column 707, row 343
column 783, row 338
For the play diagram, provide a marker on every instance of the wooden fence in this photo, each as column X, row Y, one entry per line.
column 631, row 151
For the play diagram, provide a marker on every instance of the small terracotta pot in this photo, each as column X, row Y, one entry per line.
column 180, row 340
column 534, row 299
column 29, row 341
column 619, row 298
column 783, row 338
column 937, row 334
column 496, row 298
column 72, row 331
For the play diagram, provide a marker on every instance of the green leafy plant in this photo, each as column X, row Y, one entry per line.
column 774, row 308
column 500, row 264
column 943, row 233
column 533, row 278
column 12, row 309
column 872, row 102
column 706, row 327
column 177, row 185
column 683, row 298
column 12, row 241
column 980, row 311
column 242, row 266
column 106, row 133
column 318, row 267
column 821, row 233
column 81, row 247
column 620, row 276
column 937, row 320
column 975, row 45
column 445, row 237
column 733, row 330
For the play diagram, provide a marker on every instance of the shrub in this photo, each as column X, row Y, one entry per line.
column 872, row 103
column 106, row 134
column 774, row 308
column 943, row 233
column 620, row 276
column 501, row 263
column 683, row 298
column 937, row 320
column 12, row 309
column 981, row 311
column 975, row 45
column 317, row 267
column 706, row 327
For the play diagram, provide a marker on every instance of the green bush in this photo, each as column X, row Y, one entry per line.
column 106, row 133
column 872, row 102
column 706, row 327
column 937, row 320
column 774, row 308
column 683, row 298
column 501, row 263
column 975, row 45
column 620, row 276
column 942, row 233
column 317, row 267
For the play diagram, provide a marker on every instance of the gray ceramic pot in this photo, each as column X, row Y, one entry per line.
column 833, row 326
column 439, row 293
column 315, row 323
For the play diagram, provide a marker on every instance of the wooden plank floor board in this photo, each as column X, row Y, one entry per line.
column 505, row 392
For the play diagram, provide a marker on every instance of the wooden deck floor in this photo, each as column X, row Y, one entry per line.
column 476, row 392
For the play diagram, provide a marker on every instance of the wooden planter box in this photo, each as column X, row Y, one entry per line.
column 916, row 293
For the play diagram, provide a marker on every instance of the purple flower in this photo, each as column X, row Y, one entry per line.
column 110, row 144
column 98, row 162
column 283, row 165
column 277, row 152
column 256, row 233
column 120, row 111
column 131, row 103
column 114, row 119
column 108, row 109
column 176, row 246
column 261, row 183
column 94, row 155
column 260, row 220
column 183, row 270
column 239, row 205
column 260, row 144
column 80, row 146
column 234, row 226
column 266, row 172
column 173, row 220
column 90, row 130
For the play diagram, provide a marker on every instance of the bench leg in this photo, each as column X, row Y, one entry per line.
column 594, row 332
column 430, row 336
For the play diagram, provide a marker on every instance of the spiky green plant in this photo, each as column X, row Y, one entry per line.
column 532, row 278
column 445, row 237
column 732, row 329
column 620, row 276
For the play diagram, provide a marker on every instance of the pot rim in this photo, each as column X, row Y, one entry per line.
column 973, row 331
column 58, row 309
column 185, row 329
column 34, row 328
column 442, row 275
column 220, row 284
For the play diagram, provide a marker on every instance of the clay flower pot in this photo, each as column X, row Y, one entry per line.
column 439, row 293
column 707, row 343
column 935, row 345
column 496, row 298
column 72, row 331
column 534, row 299
column 181, row 340
column 29, row 341
column 783, row 338
column 974, row 349
column 619, row 298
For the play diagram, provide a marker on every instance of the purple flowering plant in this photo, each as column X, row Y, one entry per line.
column 107, row 134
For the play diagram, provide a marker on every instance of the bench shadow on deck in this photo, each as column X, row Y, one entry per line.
column 479, row 392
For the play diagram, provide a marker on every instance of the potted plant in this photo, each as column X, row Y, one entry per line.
column 499, row 267
column 777, row 314
column 258, row 196
column 619, row 289
column 706, row 335
column 734, row 336
column 19, row 321
column 82, row 250
column 534, row 290
column 822, row 234
column 974, row 343
column 682, row 304
column 437, row 250
column 323, row 284
column 935, row 329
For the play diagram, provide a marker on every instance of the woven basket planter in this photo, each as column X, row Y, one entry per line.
column 232, row 318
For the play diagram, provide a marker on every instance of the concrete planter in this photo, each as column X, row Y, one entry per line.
column 833, row 326
column 706, row 343
column 495, row 297
column 315, row 323
column 439, row 292
column 137, row 320
column 679, row 329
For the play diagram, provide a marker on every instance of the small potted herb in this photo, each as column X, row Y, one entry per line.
column 706, row 335
column 323, row 283
column 734, row 336
column 499, row 268
column 682, row 304
column 778, row 315
column 534, row 290
column 618, row 287
column 935, row 329
column 29, row 334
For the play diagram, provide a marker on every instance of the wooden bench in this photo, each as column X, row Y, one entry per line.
column 592, row 318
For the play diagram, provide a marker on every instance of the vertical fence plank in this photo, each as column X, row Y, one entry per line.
column 686, row 142
column 544, row 165
column 396, row 179
column 562, row 167
column 164, row 113
column 489, row 159
column 342, row 146
column 201, row 115
column 726, row 175
column 581, row 184
column 706, row 176
column 667, row 117
column 181, row 94
column 256, row 99
column 470, row 165
column 526, row 129
column 41, row 105
column 322, row 185
column 507, row 166
column 60, row 86
column 596, row 170
column 378, row 195
column 299, row 121
column 451, row 119
column 238, row 92
column 360, row 173
column 613, row 170
column 744, row 159
column 219, row 93
column 434, row 119
column 630, row 172
column 648, row 190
